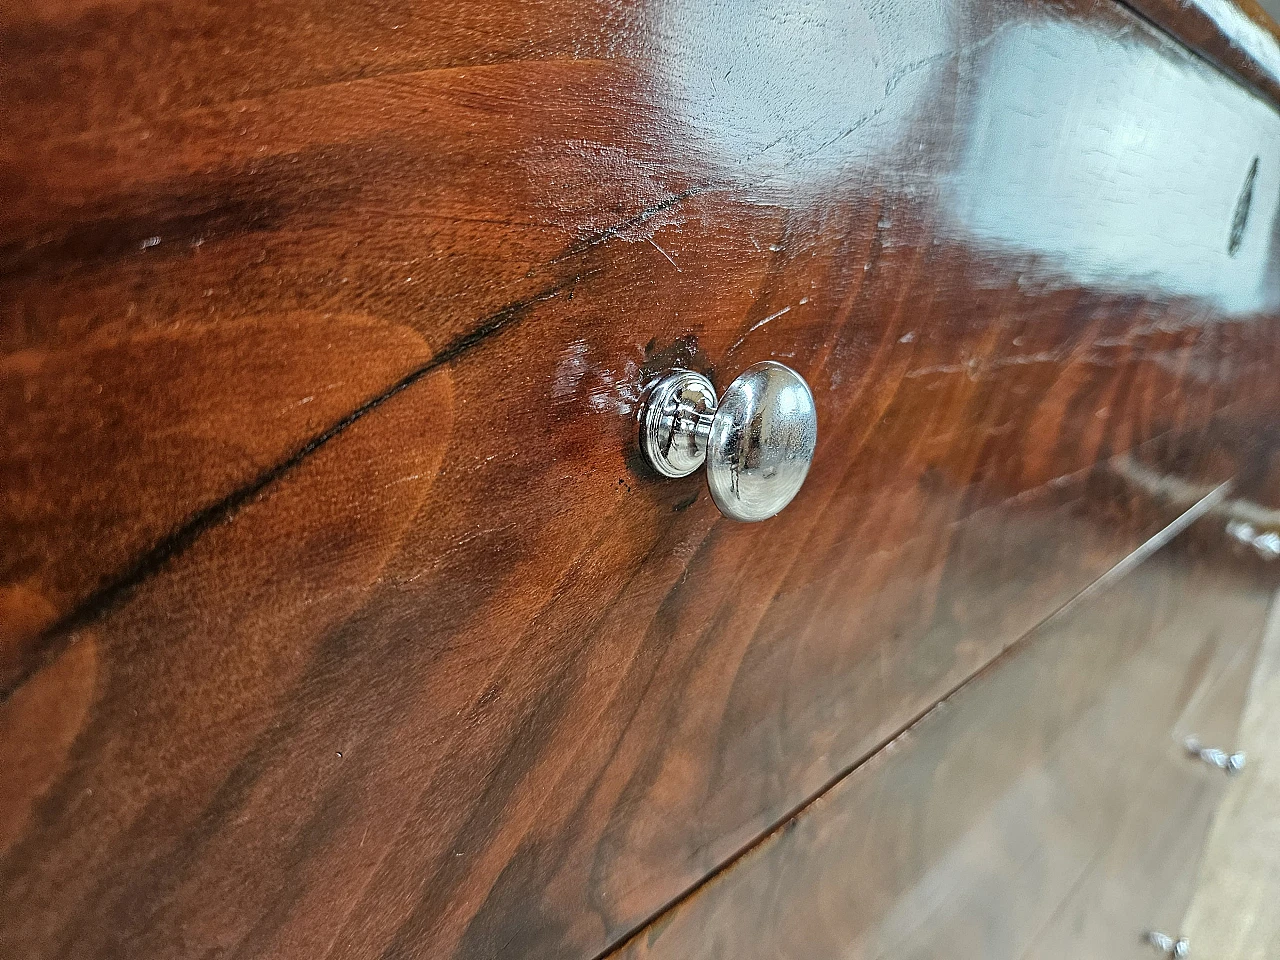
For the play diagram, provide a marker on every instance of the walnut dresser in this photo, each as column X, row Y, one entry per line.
column 666, row 479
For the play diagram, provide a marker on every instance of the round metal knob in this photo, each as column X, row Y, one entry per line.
column 1228, row 763
column 1179, row 949
column 757, row 441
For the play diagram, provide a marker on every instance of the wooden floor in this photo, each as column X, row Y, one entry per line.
column 1234, row 915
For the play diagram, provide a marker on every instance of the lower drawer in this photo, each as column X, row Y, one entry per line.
column 1048, row 808
column 1143, row 876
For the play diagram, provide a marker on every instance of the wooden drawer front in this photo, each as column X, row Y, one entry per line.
column 337, row 613
column 1049, row 808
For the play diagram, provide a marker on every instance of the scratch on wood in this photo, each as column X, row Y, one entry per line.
column 756, row 326
column 665, row 254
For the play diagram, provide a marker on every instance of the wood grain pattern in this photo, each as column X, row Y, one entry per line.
column 1047, row 809
column 339, row 615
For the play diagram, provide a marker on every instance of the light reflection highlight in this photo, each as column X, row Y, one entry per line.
column 796, row 91
column 1139, row 179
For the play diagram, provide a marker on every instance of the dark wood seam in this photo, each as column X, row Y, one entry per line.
column 56, row 637
column 107, row 597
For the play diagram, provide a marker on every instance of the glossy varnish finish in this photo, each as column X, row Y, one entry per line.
column 340, row 615
column 1239, row 36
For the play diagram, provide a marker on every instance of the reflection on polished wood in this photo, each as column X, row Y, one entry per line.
column 1048, row 809
column 1238, row 35
column 338, row 613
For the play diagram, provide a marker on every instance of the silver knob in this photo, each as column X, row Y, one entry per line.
column 757, row 441
column 1265, row 543
column 1229, row 763
column 1170, row 947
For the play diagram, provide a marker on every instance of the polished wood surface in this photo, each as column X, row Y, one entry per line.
column 339, row 615
column 1240, row 36
column 1048, row 809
